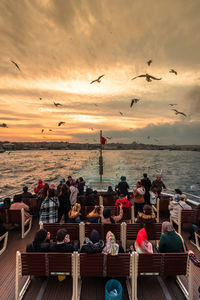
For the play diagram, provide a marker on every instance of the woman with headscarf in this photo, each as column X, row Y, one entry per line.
column 41, row 242
column 111, row 246
column 106, row 217
column 170, row 240
column 142, row 245
column 92, row 244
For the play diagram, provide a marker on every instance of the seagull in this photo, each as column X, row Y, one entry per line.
column 149, row 62
column 40, row 98
column 109, row 138
column 97, row 80
column 16, row 65
column 121, row 113
column 134, row 101
column 61, row 123
column 42, row 130
column 179, row 112
column 57, row 104
column 4, row 125
column 95, row 104
column 50, row 130
column 173, row 71
column 148, row 77
column 172, row 104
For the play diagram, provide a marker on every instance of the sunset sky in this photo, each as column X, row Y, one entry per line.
column 61, row 46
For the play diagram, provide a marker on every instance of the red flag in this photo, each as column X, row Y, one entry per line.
column 103, row 140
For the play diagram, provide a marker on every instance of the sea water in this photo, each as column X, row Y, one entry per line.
column 179, row 169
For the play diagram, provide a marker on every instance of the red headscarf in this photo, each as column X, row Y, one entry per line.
column 141, row 237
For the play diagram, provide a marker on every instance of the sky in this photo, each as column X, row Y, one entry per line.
column 61, row 46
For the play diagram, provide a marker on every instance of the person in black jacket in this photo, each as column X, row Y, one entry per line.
column 41, row 242
column 122, row 187
column 147, row 185
column 64, row 201
column 92, row 244
column 63, row 244
column 26, row 194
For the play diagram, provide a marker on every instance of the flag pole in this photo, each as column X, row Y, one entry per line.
column 101, row 158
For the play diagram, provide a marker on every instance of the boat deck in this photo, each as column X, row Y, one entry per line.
column 149, row 287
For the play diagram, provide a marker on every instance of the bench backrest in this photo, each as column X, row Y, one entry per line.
column 167, row 264
column 154, row 231
column 44, row 264
column 97, row 227
column 72, row 229
column 109, row 200
column 91, row 264
column 163, row 205
column 11, row 216
column 115, row 228
column 190, row 215
column 32, row 203
column 132, row 230
column 118, row 265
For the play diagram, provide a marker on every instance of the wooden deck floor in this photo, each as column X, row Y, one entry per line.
column 149, row 287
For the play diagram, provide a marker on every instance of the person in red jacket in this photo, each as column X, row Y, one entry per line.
column 124, row 201
column 39, row 187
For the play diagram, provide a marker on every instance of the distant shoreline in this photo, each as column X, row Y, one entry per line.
column 8, row 146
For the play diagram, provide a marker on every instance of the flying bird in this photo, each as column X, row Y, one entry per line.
column 97, row 80
column 149, row 62
column 109, row 138
column 134, row 101
column 95, row 104
column 173, row 71
column 50, row 130
column 4, row 125
column 147, row 76
column 61, row 123
column 40, row 98
column 179, row 112
column 42, row 130
column 57, row 104
column 172, row 104
column 121, row 113
column 16, row 65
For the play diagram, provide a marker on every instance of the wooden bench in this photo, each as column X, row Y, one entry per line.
column 197, row 237
column 33, row 204
column 15, row 216
column 43, row 264
column 130, row 232
column 72, row 229
column 100, row 265
column 4, row 238
column 161, row 206
column 165, row 264
column 186, row 216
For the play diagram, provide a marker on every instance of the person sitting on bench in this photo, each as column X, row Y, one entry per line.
column 170, row 240
column 92, row 244
column 63, row 244
column 41, row 242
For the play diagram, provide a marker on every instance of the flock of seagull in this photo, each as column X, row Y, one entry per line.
column 147, row 76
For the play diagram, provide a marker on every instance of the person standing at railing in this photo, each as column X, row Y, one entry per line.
column 146, row 182
column 138, row 198
column 122, row 187
column 159, row 185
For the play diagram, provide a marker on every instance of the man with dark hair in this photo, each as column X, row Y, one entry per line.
column 63, row 244
column 146, row 182
column 25, row 193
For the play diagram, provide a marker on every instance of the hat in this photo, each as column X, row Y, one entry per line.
column 62, row 180
column 123, row 178
column 52, row 186
column 177, row 198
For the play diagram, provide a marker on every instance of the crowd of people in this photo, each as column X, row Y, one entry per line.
column 63, row 203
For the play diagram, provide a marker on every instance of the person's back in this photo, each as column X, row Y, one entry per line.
column 147, row 216
column 18, row 205
column 177, row 204
column 41, row 242
column 170, row 241
column 106, row 217
column 63, row 244
column 124, row 201
column 49, row 207
column 25, row 193
column 92, row 244
column 146, row 183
